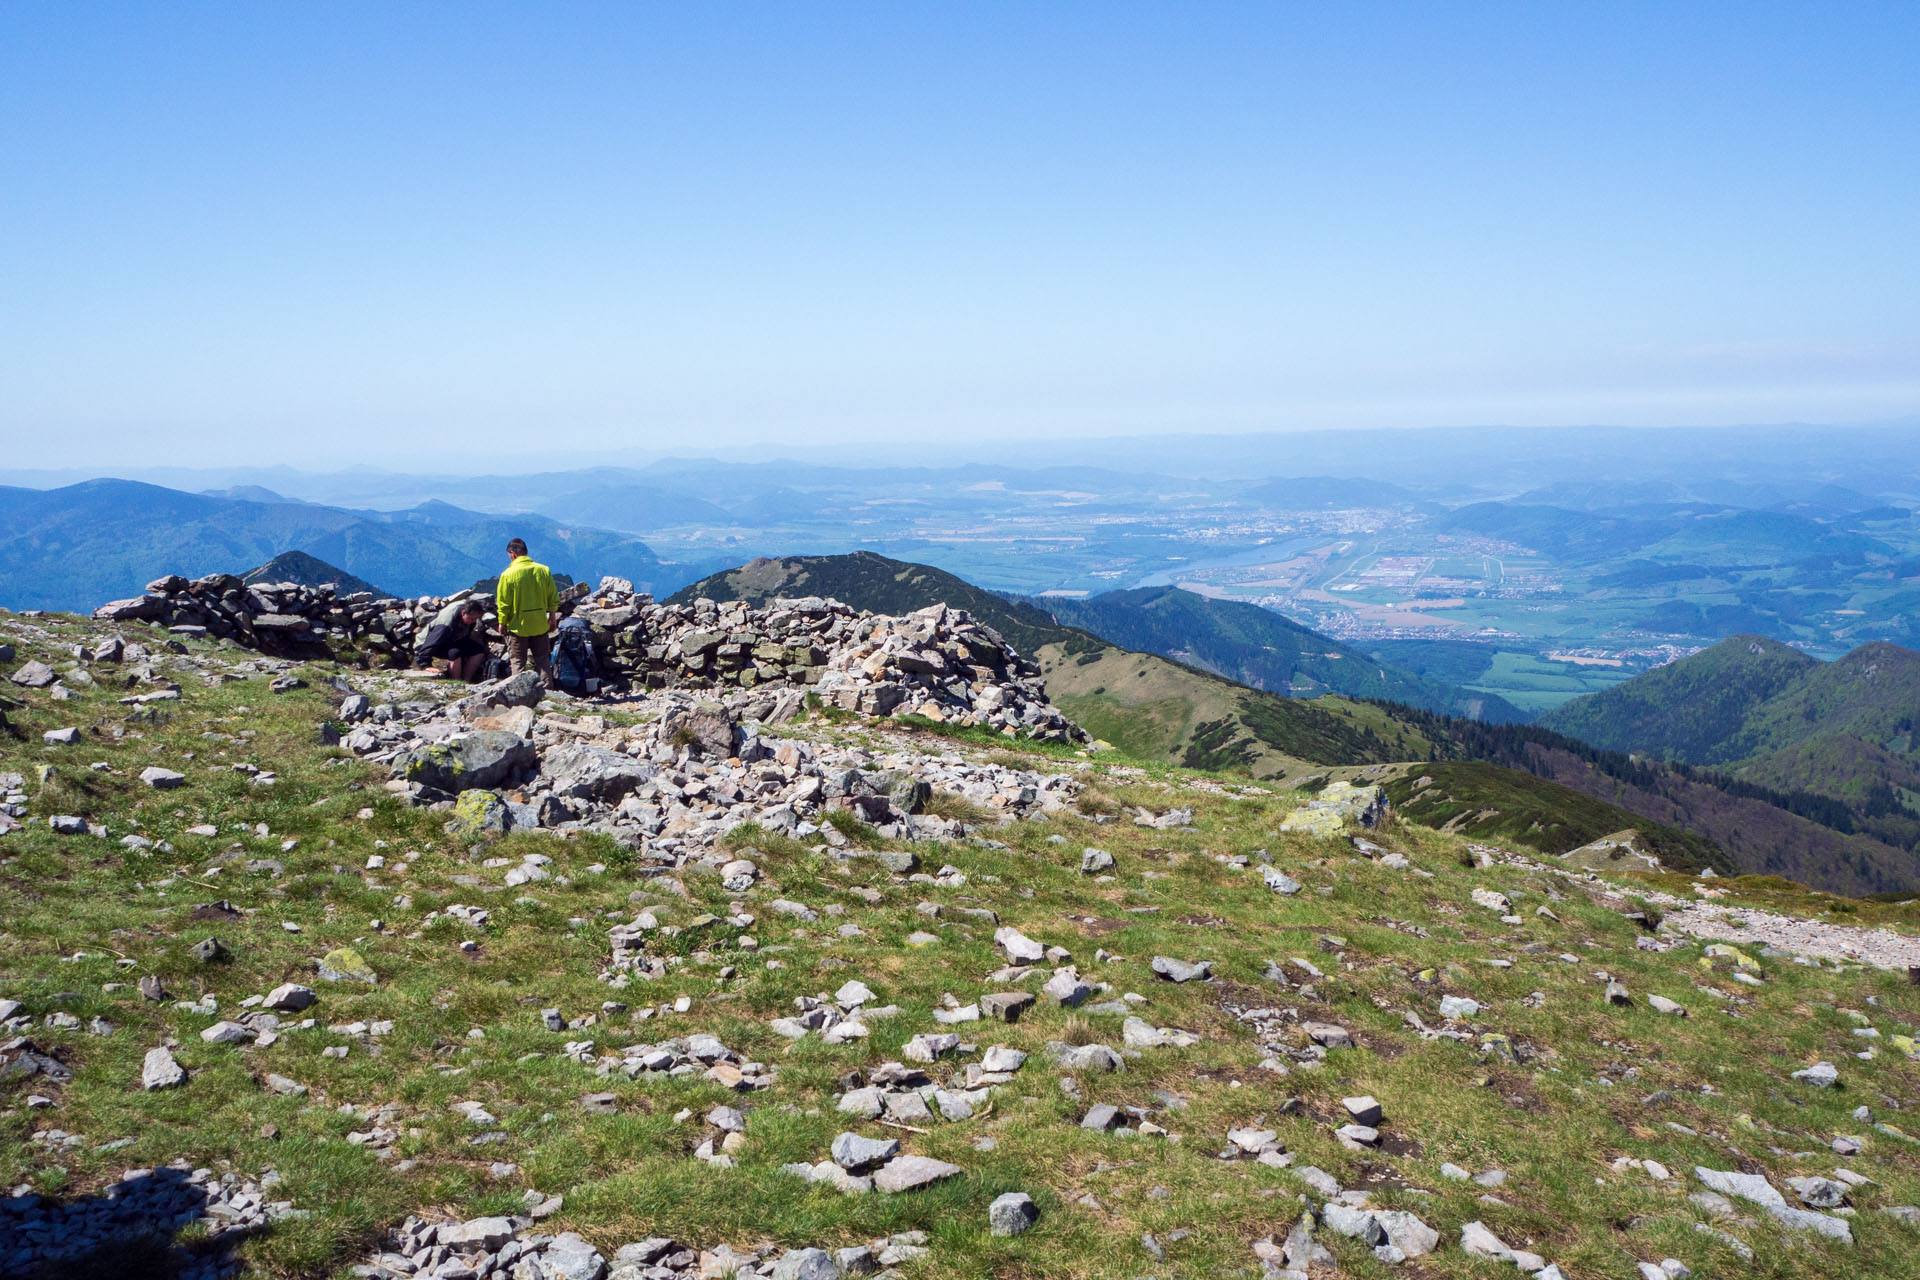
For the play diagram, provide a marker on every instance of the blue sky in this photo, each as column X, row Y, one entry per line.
column 391, row 233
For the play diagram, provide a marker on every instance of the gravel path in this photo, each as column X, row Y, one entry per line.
column 1882, row 948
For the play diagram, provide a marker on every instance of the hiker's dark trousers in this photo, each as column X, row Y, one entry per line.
column 534, row 651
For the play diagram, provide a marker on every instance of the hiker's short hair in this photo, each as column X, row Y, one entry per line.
column 474, row 608
column 517, row 547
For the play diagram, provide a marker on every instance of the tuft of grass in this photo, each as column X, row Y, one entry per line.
column 1078, row 1030
column 955, row 807
column 859, row 834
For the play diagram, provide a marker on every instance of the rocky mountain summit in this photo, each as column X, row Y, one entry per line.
column 936, row 662
column 745, row 967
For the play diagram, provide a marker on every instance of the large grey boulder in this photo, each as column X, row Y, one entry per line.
column 484, row 760
column 35, row 675
column 593, row 773
column 903, row 791
column 1280, row 882
column 704, row 730
column 480, row 1233
column 133, row 609
column 568, row 1257
column 522, row 690
column 1181, row 970
column 1821, row 1075
column 1019, row 947
column 1086, row 1057
column 1356, row 1224
column 1478, row 1240
column 1406, row 1232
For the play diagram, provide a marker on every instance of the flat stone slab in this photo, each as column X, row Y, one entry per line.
column 857, row 1154
column 1182, row 970
column 910, row 1173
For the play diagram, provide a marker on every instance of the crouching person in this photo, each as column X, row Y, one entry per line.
column 454, row 637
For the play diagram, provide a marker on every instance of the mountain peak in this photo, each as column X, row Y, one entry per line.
column 310, row 571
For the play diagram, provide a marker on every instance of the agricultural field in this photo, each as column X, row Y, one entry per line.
column 1534, row 683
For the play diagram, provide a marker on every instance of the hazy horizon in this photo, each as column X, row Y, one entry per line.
column 1136, row 448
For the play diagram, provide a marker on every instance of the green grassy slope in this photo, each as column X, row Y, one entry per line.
column 1769, row 715
column 1548, row 1082
column 1486, row 802
column 1872, row 693
column 1783, row 831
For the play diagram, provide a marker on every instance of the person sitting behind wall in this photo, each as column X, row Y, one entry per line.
column 454, row 637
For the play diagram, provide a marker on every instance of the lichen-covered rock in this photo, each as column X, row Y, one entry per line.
column 1337, row 804
column 478, row 815
column 484, row 760
column 344, row 964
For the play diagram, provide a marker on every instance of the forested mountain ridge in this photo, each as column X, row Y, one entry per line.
column 1698, row 709
column 1262, row 649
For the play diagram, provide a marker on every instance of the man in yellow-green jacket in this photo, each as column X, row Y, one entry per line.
column 529, row 606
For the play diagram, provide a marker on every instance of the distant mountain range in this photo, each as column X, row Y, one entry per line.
column 1677, row 532
column 76, row 547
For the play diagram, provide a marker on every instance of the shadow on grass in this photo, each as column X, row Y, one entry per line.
column 157, row 1223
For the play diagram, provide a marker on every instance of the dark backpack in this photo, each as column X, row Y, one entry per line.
column 573, row 660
